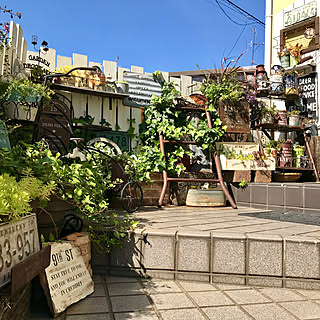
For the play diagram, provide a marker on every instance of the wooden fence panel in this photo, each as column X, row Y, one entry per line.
column 110, row 67
column 19, row 41
column 63, row 61
column 137, row 69
column 79, row 60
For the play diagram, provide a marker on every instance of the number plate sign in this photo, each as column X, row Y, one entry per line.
column 18, row 241
column 119, row 137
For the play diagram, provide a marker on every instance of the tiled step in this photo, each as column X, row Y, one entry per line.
column 262, row 260
column 303, row 197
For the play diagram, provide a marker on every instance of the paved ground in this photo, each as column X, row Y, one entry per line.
column 227, row 220
column 118, row 298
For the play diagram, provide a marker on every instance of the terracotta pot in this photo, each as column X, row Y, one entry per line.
column 286, row 154
column 282, row 118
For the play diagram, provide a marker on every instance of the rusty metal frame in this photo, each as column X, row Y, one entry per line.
column 166, row 179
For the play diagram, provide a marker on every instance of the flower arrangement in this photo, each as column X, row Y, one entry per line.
column 283, row 52
column 295, row 52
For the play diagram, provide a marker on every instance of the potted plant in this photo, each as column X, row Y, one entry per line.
column 122, row 86
column 268, row 115
column 16, row 196
column 298, row 152
column 26, row 91
column 284, row 56
column 294, row 118
column 272, row 148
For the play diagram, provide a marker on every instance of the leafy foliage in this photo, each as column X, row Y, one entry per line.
column 83, row 184
column 15, row 196
column 26, row 91
column 163, row 115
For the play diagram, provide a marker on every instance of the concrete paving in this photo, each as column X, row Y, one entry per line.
column 120, row 298
column 244, row 220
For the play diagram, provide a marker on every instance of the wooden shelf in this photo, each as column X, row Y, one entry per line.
column 276, row 127
column 294, row 168
column 89, row 91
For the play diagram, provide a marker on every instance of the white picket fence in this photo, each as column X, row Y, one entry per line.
column 112, row 110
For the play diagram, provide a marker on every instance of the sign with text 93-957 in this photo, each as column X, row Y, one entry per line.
column 18, row 241
column 68, row 278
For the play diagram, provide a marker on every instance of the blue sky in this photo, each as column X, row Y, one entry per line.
column 168, row 35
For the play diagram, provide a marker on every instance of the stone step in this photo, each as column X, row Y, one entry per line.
column 217, row 257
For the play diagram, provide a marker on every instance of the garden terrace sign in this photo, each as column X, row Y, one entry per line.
column 141, row 88
column 299, row 14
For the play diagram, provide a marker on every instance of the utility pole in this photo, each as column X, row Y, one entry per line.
column 254, row 44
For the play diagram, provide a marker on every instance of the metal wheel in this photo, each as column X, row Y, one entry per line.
column 104, row 142
column 131, row 196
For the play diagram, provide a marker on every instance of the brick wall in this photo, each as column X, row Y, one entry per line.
column 152, row 191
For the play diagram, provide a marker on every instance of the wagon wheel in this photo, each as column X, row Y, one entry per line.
column 105, row 142
column 131, row 196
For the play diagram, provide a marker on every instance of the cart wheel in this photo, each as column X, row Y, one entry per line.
column 131, row 196
column 114, row 148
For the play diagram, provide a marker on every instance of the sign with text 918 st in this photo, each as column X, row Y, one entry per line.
column 18, row 241
column 68, row 277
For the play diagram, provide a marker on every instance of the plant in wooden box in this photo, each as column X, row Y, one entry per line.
column 294, row 118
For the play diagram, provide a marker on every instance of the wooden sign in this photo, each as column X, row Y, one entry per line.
column 55, row 131
column 299, row 14
column 308, row 91
column 68, row 278
column 235, row 117
column 18, row 241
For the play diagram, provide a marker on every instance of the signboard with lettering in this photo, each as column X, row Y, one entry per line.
column 34, row 60
column 119, row 137
column 68, row 278
column 18, row 241
column 235, row 117
column 299, row 14
column 308, row 92
column 141, row 88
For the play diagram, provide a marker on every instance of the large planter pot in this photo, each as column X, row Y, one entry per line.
column 282, row 118
column 122, row 87
column 294, row 120
column 205, row 198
